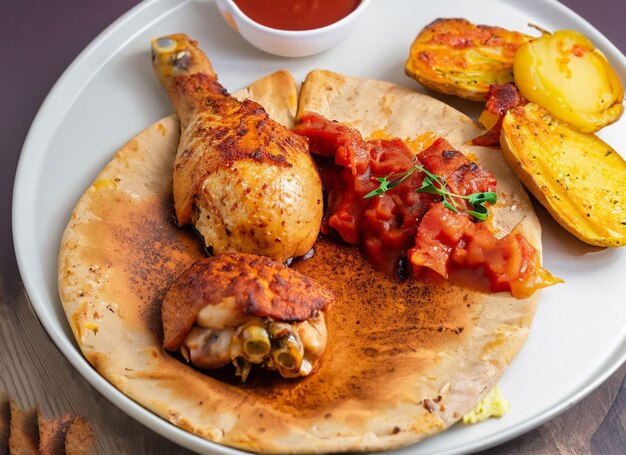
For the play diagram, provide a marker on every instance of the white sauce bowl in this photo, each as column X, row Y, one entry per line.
column 289, row 43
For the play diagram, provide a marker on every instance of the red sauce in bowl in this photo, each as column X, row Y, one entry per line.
column 296, row 14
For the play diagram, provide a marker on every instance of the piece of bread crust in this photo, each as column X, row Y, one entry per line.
column 79, row 437
column 52, row 434
column 4, row 424
column 23, row 434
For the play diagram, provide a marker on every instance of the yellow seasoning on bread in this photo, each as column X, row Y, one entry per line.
column 493, row 405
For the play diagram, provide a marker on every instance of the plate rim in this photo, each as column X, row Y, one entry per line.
column 67, row 346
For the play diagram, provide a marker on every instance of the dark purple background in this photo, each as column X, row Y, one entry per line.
column 39, row 39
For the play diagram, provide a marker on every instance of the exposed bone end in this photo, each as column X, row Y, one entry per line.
column 291, row 348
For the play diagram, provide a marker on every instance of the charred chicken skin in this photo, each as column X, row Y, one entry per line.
column 248, row 310
column 245, row 182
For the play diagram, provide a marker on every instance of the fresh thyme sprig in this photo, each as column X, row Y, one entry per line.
column 386, row 185
column 436, row 184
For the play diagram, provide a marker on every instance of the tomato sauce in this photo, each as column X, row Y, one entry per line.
column 446, row 240
column 384, row 226
column 296, row 14
column 403, row 231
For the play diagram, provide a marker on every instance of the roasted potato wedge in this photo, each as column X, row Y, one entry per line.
column 579, row 178
column 567, row 75
column 457, row 57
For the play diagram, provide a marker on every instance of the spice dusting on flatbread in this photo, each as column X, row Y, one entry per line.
column 393, row 346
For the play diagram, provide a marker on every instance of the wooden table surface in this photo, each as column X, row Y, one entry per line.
column 38, row 40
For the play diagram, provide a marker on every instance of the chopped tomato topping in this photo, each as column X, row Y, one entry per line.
column 447, row 240
column 383, row 226
column 462, row 175
column 403, row 228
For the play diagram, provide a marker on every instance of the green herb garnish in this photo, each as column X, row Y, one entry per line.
column 386, row 184
column 436, row 184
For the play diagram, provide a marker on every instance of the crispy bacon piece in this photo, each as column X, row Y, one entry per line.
column 502, row 97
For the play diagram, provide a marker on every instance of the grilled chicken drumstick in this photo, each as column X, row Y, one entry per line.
column 248, row 310
column 244, row 181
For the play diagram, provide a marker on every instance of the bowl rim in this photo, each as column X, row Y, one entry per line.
column 297, row 33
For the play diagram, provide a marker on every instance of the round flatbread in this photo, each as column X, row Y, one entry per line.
column 403, row 361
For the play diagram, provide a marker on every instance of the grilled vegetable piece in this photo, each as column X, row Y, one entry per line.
column 248, row 310
column 579, row 178
column 457, row 57
column 565, row 74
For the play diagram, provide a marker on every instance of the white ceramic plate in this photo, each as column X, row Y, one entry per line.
column 109, row 94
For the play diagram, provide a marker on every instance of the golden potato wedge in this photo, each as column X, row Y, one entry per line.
column 579, row 178
column 457, row 57
column 567, row 75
